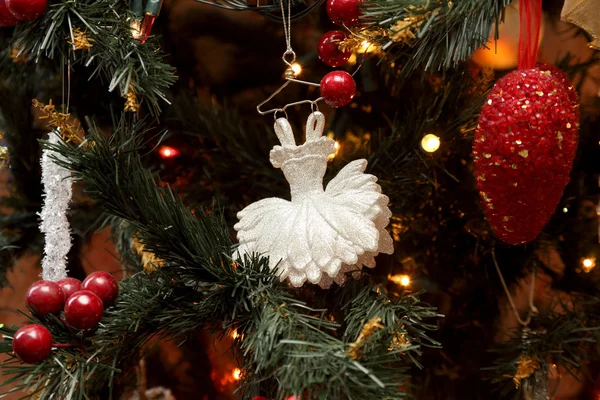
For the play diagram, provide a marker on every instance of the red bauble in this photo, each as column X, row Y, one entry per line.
column 27, row 10
column 329, row 51
column 6, row 17
column 103, row 285
column 338, row 88
column 32, row 343
column 524, row 147
column 84, row 310
column 69, row 286
column 343, row 12
column 45, row 297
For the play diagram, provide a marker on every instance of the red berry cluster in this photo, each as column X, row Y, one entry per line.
column 338, row 87
column 14, row 11
column 83, row 304
column 524, row 147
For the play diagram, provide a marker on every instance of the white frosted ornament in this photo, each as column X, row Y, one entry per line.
column 57, row 182
column 320, row 234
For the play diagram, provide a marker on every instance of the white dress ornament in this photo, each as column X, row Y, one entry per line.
column 319, row 235
column 57, row 182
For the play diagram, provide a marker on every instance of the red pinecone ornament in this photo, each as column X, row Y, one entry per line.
column 524, row 147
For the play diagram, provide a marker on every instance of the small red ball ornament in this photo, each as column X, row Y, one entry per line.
column 69, row 286
column 32, row 343
column 343, row 12
column 84, row 310
column 45, row 297
column 104, row 285
column 524, row 147
column 329, row 51
column 338, row 88
column 6, row 17
column 27, row 10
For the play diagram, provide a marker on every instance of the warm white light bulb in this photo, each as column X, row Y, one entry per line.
column 405, row 280
column 565, row 210
column 430, row 143
column 297, row 68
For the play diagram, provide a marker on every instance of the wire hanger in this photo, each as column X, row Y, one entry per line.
column 289, row 57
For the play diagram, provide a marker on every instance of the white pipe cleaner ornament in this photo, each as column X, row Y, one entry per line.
column 54, row 223
column 336, row 230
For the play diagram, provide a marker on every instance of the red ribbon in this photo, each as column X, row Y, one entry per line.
column 530, row 13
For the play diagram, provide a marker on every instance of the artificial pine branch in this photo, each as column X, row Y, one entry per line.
column 114, row 56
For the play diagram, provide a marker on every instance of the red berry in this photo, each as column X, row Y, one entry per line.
column 45, row 297
column 104, row 285
column 84, row 310
column 27, row 10
column 6, row 17
column 343, row 12
column 69, row 286
column 329, row 51
column 524, row 148
column 338, row 88
column 32, row 343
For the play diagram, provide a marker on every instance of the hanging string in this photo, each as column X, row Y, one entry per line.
column 287, row 32
column 532, row 308
column 530, row 13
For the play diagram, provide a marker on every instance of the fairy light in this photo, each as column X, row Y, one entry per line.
column 400, row 279
column 430, row 143
column 237, row 374
column 366, row 47
column 136, row 27
column 297, row 68
column 588, row 264
column 168, row 152
column 565, row 210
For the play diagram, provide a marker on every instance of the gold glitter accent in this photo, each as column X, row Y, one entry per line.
column 505, row 219
column 568, row 125
column 481, row 177
column 490, row 102
column 366, row 332
column 485, row 197
column 487, row 155
column 80, row 41
column 547, row 73
column 524, row 153
column 399, row 340
column 514, row 166
column 539, row 93
column 70, row 131
column 131, row 104
column 524, row 106
column 150, row 262
column 526, row 366
column 515, row 184
column 518, row 142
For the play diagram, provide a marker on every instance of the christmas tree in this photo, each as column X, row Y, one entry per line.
column 432, row 233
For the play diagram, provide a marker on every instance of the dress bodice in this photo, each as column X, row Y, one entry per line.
column 304, row 166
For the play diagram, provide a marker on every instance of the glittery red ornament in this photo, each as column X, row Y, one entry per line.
column 45, row 297
column 32, row 343
column 27, row 10
column 338, row 88
column 524, row 147
column 329, row 51
column 104, row 285
column 343, row 12
column 69, row 286
column 6, row 17
column 84, row 310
